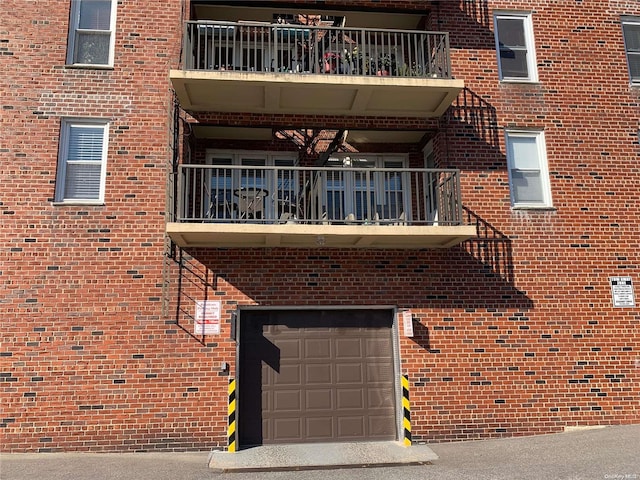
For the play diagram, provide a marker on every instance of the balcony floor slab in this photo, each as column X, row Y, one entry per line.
column 300, row 93
column 294, row 235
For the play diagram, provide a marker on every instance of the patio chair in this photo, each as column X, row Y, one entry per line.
column 251, row 202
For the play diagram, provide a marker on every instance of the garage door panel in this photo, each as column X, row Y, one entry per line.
column 289, row 348
column 286, row 429
column 320, row 428
column 349, row 348
column 378, row 427
column 351, row 427
column 288, row 375
column 317, row 376
column 380, row 398
column 377, row 347
column 319, row 399
column 350, row 398
column 287, row 401
column 317, row 348
column 349, row 373
column 378, row 372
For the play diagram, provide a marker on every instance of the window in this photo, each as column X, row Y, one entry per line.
column 631, row 31
column 82, row 161
column 528, row 175
column 356, row 191
column 91, row 34
column 245, row 185
column 514, row 44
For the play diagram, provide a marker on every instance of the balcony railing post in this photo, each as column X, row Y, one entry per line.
column 187, row 51
column 458, row 200
column 180, row 192
column 447, row 57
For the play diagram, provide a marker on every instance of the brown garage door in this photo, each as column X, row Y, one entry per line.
column 315, row 376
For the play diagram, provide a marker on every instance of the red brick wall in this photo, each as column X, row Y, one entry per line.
column 552, row 352
column 515, row 331
column 88, row 359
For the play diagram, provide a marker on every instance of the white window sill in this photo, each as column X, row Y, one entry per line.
column 84, row 203
column 516, row 81
column 534, row 207
column 88, row 66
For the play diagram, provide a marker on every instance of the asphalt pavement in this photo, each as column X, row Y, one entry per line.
column 611, row 453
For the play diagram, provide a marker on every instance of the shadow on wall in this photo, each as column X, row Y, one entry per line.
column 471, row 16
column 476, row 275
column 477, row 10
column 477, row 115
column 193, row 283
column 491, row 248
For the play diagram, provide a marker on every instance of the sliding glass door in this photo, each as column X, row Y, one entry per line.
column 364, row 189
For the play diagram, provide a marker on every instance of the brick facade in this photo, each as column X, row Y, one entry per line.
column 515, row 333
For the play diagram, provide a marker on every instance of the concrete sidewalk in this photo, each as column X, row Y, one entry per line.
column 611, row 453
column 321, row 456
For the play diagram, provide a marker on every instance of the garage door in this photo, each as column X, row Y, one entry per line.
column 315, row 376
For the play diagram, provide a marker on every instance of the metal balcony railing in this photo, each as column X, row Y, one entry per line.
column 260, row 47
column 318, row 195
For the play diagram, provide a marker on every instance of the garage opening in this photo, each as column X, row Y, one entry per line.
column 316, row 376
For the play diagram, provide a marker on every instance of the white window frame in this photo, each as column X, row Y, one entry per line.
column 248, row 158
column 263, row 177
column 627, row 48
column 527, row 25
column 64, row 161
column 74, row 24
column 543, row 168
column 352, row 185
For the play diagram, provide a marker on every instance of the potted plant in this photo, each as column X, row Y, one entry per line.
column 414, row 70
column 358, row 61
column 386, row 64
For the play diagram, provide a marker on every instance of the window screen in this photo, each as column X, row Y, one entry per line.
column 82, row 161
column 514, row 42
column 91, row 41
column 527, row 169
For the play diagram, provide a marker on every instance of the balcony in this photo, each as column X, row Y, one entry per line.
column 279, row 68
column 345, row 206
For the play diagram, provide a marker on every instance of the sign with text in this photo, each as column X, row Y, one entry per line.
column 407, row 323
column 206, row 320
column 622, row 292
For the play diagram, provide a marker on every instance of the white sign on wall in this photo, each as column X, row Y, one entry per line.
column 622, row 292
column 206, row 320
column 407, row 323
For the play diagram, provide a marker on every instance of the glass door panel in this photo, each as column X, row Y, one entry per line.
column 221, row 183
column 284, row 199
column 253, row 190
column 391, row 201
column 335, row 195
column 364, row 191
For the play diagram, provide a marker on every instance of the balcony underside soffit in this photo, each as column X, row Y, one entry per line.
column 286, row 93
column 314, row 236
